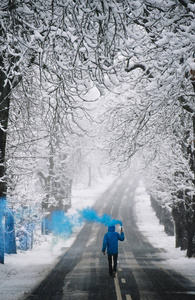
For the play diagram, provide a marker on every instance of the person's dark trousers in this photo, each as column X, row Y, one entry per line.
column 115, row 257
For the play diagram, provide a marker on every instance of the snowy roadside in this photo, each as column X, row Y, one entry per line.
column 23, row 271
column 173, row 258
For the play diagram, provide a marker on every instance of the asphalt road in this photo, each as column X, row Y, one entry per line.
column 82, row 272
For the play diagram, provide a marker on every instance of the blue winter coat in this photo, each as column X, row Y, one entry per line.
column 110, row 240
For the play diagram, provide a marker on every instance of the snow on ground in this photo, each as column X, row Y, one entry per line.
column 148, row 224
column 23, row 271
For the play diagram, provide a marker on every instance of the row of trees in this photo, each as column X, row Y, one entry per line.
column 45, row 95
column 57, row 57
column 155, row 116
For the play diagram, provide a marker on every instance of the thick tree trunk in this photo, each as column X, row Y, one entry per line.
column 4, row 114
column 191, row 202
column 191, row 232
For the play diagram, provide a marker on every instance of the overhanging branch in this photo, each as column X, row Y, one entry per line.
column 135, row 66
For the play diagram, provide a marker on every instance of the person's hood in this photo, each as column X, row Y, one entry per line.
column 111, row 229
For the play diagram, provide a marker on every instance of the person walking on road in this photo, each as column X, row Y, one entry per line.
column 110, row 242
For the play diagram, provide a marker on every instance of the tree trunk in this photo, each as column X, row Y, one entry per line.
column 191, row 202
column 4, row 114
column 179, row 216
column 1, row 233
column 10, row 241
column 168, row 223
column 191, row 233
column 164, row 216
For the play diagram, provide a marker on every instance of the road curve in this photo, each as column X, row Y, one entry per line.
column 82, row 272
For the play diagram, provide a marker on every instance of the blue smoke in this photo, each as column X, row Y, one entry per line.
column 62, row 224
column 26, row 221
column 90, row 215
